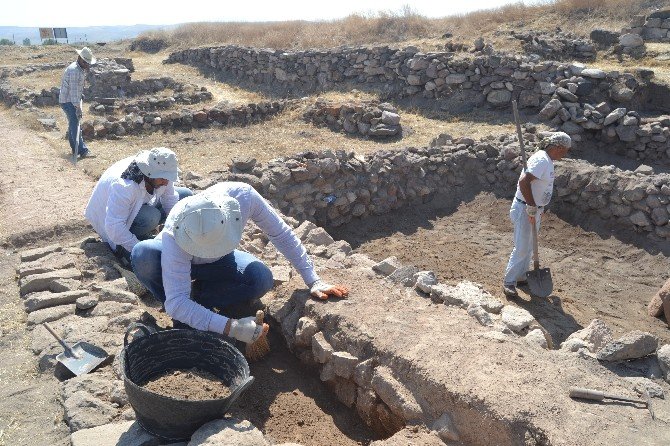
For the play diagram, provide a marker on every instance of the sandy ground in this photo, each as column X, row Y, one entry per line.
column 594, row 277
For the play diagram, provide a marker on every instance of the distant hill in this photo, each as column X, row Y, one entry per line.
column 81, row 34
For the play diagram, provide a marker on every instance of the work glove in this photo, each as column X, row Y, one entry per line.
column 531, row 210
column 245, row 329
column 323, row 289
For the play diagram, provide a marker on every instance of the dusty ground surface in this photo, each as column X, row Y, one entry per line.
column 594, row 277
column 188, row 385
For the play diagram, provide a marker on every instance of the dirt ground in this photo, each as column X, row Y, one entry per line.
column 188, row 385
column 594, row 277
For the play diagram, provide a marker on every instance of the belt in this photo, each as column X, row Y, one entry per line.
column 521, row 201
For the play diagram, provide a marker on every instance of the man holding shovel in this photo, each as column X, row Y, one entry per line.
column 70, row 97
column 533, row 193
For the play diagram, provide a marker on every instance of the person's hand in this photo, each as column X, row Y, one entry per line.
column 323, row 290
column 532, row 212
column 246, row 329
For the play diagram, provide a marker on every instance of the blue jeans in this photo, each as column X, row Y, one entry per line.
column 519, row 260
column 74, row 128
column 233, row 279
column 149, row 217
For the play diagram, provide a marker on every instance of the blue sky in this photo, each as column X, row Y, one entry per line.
column 63, row 13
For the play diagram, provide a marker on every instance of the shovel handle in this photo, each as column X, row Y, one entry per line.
column 522, row 148
column 536, row 251
column 68, row 350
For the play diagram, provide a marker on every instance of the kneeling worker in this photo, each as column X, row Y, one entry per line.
column 199, row 242
column 133, row 197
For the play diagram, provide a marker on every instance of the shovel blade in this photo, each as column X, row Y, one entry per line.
column 86, row 358
column 540, row 282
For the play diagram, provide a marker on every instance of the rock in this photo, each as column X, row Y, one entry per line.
column 404, row 275
column 319, row 237
column 516, row 318
column 499, row 97
column 595, row 336
column 390, row 118
column 48, row 263
column 632, row 345
column 604, row 37
column 34, row 254
column 639, row 218
column 655, row 307
column 574, row 345
column 112, row 294
column 305, row 228
column 321, row 349
column 112, row 309
column 663, row 356
column 571, row 128
column 48, row 281
column 398, row 398
column 594, row 73
column 536, row 337
column 631, row 40
column 228, row 432
column 479, row 44
column 50, row 314
column 550, row 110
column 643, row 169
column 445, row 428
column 645, row 385
column 465, row 294
column 363, row 373
column 129, row 433
column 46, row 299
column 387, row 266
column 425, row 280
column 614, row 116
column 566, row 94
column 343, row 364
column 480, row 314
column 455, row 79
column 86, row 302
column 626, row 133
column 305, row 329
column 281, row 274
column 621, row 93
column 83, row 410
column 243, row 163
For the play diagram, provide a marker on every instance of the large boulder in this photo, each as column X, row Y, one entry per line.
column 604, row 38
column 228, row 432
column 631, row 40
column 596, row 336
column 632, row 345
column 499, row 97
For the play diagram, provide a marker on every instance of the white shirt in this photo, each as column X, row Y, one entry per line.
column 176, row 263
column 542, row 168
column 115, row 202
column 72, row 85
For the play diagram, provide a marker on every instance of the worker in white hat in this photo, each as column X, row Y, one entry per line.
column 70, row 98
column 133, row 197
column 199, row 242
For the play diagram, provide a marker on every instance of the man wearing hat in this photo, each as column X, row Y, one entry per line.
column 133, row 197
column 199, row 242
column 533, row 193
column 70, row 97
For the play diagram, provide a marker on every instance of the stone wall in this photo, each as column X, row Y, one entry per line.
column 28, row 69
column 556, row 45
column 185, row 95
column 111, row 127
column 396, row 73
column 653, row 28
column 370, row 119
column 332, row 188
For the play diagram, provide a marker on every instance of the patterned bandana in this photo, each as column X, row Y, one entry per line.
column 133, row 173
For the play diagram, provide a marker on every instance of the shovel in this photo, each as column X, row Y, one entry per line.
column 539, row 279
column 75, row 151
column 81, row 358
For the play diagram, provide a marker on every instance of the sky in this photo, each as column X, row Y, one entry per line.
column 64, row 13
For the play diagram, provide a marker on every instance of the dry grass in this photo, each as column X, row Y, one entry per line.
column 405, row 26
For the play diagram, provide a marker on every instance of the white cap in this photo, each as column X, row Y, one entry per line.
column 87, row 55
column 206, row 226
column 159, row 162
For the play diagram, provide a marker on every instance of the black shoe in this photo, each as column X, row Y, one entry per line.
column 510, row 291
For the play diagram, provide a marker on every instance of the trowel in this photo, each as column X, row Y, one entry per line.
column 81, row 358
column 539, row 279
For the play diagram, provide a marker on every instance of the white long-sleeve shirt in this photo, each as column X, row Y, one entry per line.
column 176, row 263
column 72, row 85
column 115, row 202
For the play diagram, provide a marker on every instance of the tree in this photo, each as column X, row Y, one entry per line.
column 6, row 42
column 26, row 41
column 49, row 42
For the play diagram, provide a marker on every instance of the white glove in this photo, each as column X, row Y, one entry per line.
column 531, row 210
column 319, row 287
column 245, row 329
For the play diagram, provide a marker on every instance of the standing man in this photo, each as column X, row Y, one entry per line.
column 533, row 193
column 199, row 242
column 133, row 197
column 70, row 98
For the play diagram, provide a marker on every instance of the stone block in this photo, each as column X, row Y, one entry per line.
column 344, row 364
column 50, row 314
column 228, row 432
column 482, row 316
column 632, row 345
column 305, row 329
column 129, row 433
column 112, row 309
column 47, row 281
column 319, row 237
column 363, row 373
column 387, row 266
column 321, row 349
column 536, row 337
column 465, row 294
column 516, row 318
column 663, row 356
column 46, row 299
column 112, row 294
column 37, row 253
column 345, row 391
column 424, row 281
column 398, row 397
column 51, row 262
column 281, row 274
column 83, row 411
column 304, row 229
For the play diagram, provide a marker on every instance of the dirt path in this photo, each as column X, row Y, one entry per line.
column 40, row 190
column 593, row 277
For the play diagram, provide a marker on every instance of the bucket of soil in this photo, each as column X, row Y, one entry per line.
column 178, row 380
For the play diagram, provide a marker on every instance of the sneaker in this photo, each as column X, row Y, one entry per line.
column 86, row 154
column 510, row 290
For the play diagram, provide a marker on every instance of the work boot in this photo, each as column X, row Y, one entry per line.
column 510, row 291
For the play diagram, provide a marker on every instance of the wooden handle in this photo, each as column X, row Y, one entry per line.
column 522, row 148
column 260, row 315
column 536, row 251
column 68, row 350
column 587, row 394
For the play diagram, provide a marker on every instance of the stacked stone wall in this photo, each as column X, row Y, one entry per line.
column 653, row 28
